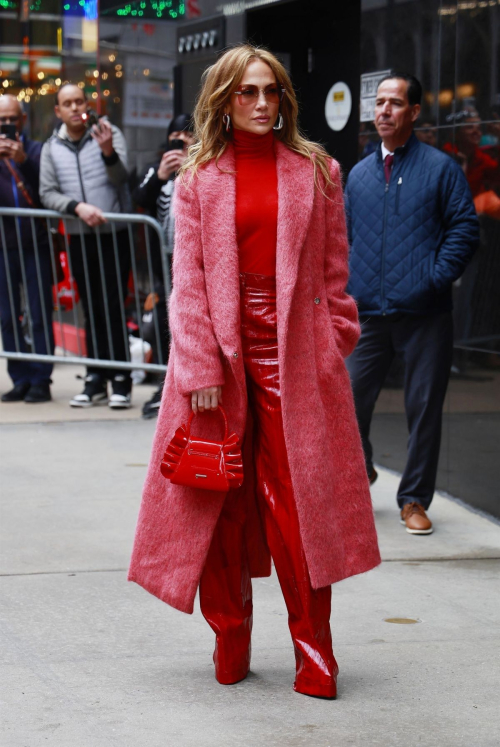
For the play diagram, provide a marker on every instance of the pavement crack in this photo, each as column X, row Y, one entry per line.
column 68, row 572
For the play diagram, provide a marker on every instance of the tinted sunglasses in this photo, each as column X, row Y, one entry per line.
column 250, row 94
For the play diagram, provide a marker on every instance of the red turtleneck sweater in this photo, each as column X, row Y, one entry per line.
column 256, row 201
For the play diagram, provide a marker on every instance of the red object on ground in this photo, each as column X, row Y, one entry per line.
column 65, row 294
column 68, row 337
column 226, row 588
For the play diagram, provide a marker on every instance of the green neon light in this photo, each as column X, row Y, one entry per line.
column 146, row 8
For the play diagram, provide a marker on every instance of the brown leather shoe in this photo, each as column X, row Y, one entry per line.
column 372, row 476
column 415, row 518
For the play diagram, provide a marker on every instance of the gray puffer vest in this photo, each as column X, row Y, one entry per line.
column 77, row 172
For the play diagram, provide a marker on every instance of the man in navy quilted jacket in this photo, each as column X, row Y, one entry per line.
column 412, row 229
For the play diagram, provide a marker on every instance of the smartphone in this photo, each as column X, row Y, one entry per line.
column 10, row 130
column 90, row 118
column 176, row 144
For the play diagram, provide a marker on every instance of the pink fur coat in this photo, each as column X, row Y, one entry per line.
column 317, row 328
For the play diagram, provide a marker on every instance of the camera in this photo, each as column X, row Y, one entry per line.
column 9, row 130
column 176, row 144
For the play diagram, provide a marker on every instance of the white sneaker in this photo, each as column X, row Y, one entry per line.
column 94, row 392
column 121, row 399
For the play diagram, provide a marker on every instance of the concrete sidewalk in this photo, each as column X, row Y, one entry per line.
column 92, row 661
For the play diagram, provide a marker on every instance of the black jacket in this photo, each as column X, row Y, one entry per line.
column 146, row 195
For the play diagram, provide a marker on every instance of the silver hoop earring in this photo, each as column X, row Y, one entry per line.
column 227, row 121
column 280, row 122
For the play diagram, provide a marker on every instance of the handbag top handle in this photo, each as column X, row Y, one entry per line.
column 223, row 413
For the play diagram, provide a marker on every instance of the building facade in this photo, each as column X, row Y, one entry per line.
column 140, row 61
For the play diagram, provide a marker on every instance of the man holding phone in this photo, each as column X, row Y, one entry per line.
column 84, row 173
column 26, row 264
column 155, row 194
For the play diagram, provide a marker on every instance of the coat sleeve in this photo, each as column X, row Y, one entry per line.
column 461, row 228
column 198, row 361
column 343, row 309
column 30, row 169
column 148, row 190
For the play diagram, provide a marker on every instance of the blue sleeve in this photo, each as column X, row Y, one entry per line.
column 347, row 212
column 30, row 169
column 461, row 227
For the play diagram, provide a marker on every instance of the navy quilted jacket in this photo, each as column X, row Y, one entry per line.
column 412, row 238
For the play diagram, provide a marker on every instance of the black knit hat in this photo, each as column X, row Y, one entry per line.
column 179, row 123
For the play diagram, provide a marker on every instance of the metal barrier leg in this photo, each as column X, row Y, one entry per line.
column 136, row 286
column 23, row 276
column 10, row 308
column 39, row 288
column 52, row 249
column 67, row 245
column 105, row 293
column 122, row 280
column 152, row 287
column 10, row 314
column 89, row 307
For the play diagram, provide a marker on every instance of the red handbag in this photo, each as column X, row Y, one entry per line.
column 200, row 463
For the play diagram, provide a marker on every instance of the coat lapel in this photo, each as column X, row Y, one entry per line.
column 295, row 203
column 220, row 249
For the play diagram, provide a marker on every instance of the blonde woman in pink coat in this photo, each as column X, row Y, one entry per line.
column 261, row 322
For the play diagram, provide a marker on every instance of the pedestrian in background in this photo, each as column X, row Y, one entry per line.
column 260, row 320
column 84, row 173
column 412, row 229
column 19, row 181
column 155, row 194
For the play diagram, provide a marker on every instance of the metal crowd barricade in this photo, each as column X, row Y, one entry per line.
column 44, row 235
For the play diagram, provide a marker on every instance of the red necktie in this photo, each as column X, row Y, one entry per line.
column 388, row 161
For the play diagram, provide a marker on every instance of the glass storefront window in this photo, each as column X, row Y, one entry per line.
column 452, row 47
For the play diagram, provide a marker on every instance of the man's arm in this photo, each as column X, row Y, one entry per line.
column 116, row 163
column 461, row 225
column 30, row 167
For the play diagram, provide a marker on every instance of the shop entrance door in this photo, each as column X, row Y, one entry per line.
column 319, row 43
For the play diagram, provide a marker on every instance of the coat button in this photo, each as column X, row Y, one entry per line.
column 317, row 300
column 235, row 354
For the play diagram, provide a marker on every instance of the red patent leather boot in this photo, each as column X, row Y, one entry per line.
column 226, row 596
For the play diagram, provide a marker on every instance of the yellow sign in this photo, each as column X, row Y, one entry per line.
column 338, row 96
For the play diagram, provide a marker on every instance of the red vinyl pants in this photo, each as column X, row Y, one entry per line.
column 225, row 588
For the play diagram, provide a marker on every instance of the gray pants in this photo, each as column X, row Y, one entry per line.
column 426, row 344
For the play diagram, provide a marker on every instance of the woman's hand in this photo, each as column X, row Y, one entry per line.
column 206, row 399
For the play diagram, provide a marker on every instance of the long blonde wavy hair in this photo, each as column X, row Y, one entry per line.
column 218, row 83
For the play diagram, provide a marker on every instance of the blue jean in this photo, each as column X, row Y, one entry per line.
column 27, row 372
column 426, row 343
